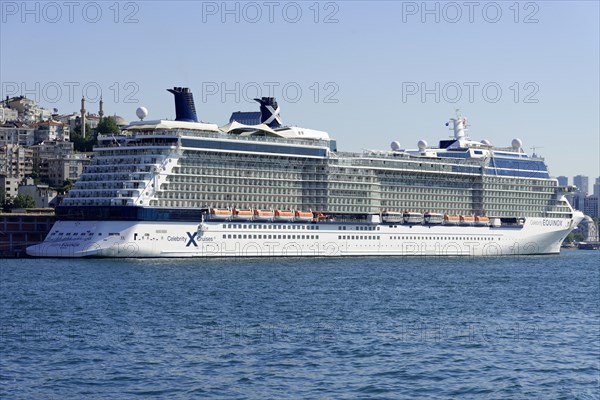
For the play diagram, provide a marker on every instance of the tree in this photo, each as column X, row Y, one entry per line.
column 67, row 185
column 24, row 201
column 107, row 125
column 575, row 236
column 36, row 176
column 79, row 142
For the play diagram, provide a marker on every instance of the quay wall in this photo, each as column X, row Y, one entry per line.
column 17, row 231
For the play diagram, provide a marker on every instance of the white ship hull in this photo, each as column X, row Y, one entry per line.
column 279, row 239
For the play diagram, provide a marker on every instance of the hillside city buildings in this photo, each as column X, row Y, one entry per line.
column 37, row 156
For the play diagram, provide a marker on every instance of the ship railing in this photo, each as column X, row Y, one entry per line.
column 269, row 139
column 112, row 176
column 355, row 159
column 521, row 155
column 209, row 134
column 148, row 187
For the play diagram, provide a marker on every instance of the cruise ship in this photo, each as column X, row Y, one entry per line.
column 259, row 188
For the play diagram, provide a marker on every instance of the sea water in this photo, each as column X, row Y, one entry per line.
column 380, row 327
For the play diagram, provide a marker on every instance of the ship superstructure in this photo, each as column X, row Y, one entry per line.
column 187, row 188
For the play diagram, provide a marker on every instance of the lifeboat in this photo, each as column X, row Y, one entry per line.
column 321, row 217
column 263, row 215
column 482, row 221
column 242, row 215
column 281, row 215
column 392, row 217
column 467, row 220
column 433, row 218
column 216, row 213
column 303, row 216
column 451, row 219
column 412, row 218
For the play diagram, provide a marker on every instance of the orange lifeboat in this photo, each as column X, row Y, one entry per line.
column 451, row 219
column 281, row 215
column 467, row 220
column 303, row 216
column 321, row 217
column 216, row 213
column 482, row 221
column 263, row 215
column 243, row 215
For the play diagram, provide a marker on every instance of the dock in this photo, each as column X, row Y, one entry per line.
column 19, row 230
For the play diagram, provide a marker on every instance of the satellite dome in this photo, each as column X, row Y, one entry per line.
column 395, row 145
column 141, row 112
column 486, row 142
column 516, row 144
column 422, row 145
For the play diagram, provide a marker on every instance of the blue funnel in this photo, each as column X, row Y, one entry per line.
column 269, row 112
column 184, row 104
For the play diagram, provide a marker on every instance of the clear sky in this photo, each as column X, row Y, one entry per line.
column 366, row 72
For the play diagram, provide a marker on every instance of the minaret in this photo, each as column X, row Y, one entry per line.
column 100, row 111
column 83, row 117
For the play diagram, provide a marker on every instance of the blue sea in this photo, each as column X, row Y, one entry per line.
column 498, row 328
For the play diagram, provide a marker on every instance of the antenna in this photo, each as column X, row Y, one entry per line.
column 533, row 148
column 459, row 125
